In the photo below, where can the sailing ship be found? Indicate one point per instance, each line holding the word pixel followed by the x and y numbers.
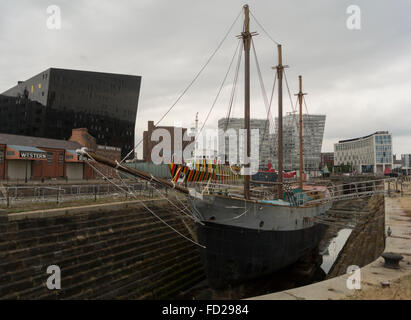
pixel 248 233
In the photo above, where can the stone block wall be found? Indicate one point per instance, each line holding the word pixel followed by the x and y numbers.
pixel 367 240
pixel 112 251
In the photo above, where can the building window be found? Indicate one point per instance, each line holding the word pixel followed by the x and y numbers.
pixel 61 158
pixel 1 156
pixel 49 158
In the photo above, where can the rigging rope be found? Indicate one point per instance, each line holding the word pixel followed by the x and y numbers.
pixel 263 91
pixel 187 213
pixel 190 84
pixel 262 28
pixel 234 88
pixel 264 94
pixel 219 90
pixel 141 202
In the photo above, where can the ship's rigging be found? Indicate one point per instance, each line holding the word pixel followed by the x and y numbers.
pixel 245 44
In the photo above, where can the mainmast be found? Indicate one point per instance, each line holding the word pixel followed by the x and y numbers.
pixel 280 69
pixel 300 101
pixel 246 35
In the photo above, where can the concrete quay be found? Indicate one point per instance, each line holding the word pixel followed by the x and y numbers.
pixel 373 275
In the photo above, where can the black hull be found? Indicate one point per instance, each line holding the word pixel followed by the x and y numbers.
pixel 235 254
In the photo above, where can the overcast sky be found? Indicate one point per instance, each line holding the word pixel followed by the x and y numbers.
pixel 359 78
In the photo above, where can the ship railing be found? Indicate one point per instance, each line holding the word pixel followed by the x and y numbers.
pixel 353 190
pixel 233 190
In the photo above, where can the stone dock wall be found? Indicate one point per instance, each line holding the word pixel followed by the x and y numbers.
pixel 367 240
pixel 109 251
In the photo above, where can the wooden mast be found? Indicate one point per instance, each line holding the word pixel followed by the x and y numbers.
pixel 280 69
pixel 300 101
pixel 246 35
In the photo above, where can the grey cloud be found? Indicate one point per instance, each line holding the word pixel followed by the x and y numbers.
pixel 358 78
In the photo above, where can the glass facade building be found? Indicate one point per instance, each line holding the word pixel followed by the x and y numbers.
pixel 52 103
pixel 369 154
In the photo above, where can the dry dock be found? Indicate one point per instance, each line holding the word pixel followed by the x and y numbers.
pixel 373 275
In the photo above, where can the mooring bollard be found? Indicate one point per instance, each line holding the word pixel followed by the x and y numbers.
pixel 392 260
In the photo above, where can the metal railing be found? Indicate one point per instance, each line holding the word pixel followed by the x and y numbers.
pixel 357 189
pixel 19 195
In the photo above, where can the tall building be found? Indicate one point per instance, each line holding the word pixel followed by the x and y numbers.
pixel 313 132
pixel 55 101
pixel 406 163
pixel 230 129
pixel 369 154
pixel 173 151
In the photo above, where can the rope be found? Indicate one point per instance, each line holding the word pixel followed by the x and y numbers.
pixel 289 93
pixel 142 203
pixel 163 197
pixel 190 84
pixel 263 92
pixel 262 28
pixel 234 88
pixel 219 90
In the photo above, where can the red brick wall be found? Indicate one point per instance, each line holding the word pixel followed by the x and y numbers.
pixel 148 145
pixel 47 168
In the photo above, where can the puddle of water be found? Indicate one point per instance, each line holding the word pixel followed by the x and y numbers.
pixel 334 248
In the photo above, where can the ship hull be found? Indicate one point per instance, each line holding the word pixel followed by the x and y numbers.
pixel 234 254
pixel 246 240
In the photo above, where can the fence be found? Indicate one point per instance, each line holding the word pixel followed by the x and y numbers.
pixel 10 196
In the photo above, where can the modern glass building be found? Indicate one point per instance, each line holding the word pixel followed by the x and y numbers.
pixel 369 154
pixel 55 101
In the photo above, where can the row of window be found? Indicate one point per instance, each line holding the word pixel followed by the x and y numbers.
pixel 385 139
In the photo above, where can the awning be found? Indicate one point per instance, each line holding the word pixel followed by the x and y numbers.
pixel 25 153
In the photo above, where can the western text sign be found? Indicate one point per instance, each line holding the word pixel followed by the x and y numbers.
pixel 32 155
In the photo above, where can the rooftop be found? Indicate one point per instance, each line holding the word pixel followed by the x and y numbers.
pixel 365 137
pixel 12 139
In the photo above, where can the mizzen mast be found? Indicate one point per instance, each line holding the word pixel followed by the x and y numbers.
pixel 300 101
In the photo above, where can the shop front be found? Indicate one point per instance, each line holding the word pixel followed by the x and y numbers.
pixel 20 161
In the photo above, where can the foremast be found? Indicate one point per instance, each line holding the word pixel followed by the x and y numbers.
pixel 280 70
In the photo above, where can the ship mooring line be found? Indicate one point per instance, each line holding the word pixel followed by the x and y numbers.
pixel 234 87
pixel 143 204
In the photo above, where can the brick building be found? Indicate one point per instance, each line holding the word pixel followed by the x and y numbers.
pixel 177 135
pixel 32 158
